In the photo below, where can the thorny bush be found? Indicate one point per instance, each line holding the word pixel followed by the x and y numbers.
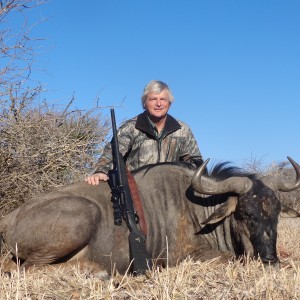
pixel 42 148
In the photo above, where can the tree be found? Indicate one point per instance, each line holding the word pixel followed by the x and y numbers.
pixel 42 146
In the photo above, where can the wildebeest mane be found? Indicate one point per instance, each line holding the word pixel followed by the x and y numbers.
pixel 224 170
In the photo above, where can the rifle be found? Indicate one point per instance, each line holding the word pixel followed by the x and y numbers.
pixel 123 207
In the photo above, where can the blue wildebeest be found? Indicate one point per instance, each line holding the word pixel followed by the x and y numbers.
pixel 186 212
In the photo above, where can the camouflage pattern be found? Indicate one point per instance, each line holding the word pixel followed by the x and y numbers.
pixel 140 144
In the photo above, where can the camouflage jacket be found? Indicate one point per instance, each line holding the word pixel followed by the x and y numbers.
pixel 140 144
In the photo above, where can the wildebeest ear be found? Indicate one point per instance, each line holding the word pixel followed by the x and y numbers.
pixel 288 212
pixel 222 212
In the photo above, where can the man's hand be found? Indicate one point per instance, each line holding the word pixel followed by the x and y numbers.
pixel 96 178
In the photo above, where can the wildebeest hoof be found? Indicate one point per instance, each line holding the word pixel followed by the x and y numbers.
pixel 102 275
pixel 7 274
pixel 269 266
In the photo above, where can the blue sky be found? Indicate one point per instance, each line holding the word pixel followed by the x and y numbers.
pixel 233 66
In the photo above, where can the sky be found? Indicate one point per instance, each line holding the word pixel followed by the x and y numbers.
pixel 233 66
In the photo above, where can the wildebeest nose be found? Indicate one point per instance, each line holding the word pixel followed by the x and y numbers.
pixel 270 260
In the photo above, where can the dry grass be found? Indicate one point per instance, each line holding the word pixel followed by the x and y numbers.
pixel 189 280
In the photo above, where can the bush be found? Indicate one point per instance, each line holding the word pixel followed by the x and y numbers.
pixel 285 172
pixel 281 171
pixel 42 148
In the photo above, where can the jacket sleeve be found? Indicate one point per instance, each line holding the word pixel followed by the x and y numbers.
pixel 125 138
pixel 104 164
pixel 190 147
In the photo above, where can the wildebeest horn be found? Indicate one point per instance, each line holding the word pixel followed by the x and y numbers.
pixel 288 187
pixel 208 186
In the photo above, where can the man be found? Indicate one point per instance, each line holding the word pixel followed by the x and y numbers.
pixel 151 137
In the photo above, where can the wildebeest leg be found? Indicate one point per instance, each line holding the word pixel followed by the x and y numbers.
pixel 8 266
pixel 37 259
pixel 40 261
pixel 83 265
pixel 79 260
pixel 207 254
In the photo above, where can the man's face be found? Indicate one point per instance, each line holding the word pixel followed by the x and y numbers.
pixel 157 105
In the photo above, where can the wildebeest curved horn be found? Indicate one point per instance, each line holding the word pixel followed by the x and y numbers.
pixel 288 187
pixel 208 186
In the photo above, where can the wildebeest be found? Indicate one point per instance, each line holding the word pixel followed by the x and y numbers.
pixel 186 212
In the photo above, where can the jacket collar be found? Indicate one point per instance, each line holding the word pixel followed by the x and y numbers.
pixel 142 123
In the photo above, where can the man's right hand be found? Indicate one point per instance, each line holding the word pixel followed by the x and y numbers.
pixel 96 178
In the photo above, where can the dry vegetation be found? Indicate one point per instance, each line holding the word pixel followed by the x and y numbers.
pixel 189 280
pixel 211 279
pixel 42 148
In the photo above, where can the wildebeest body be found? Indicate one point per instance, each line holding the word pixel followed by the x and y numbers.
pixel 56 226
pixel 77 221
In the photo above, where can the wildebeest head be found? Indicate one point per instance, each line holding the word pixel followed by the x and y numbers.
pixel 253 206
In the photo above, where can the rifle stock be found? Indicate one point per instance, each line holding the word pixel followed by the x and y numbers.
pixel 124 209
